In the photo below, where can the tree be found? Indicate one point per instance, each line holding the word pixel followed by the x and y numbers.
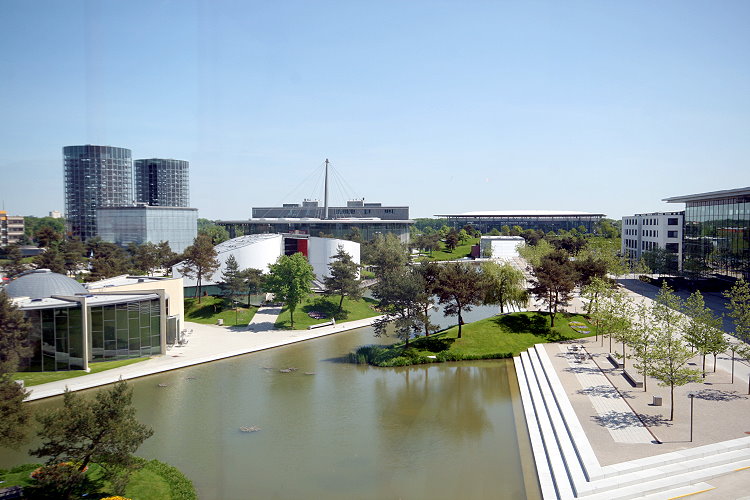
pixel 167 258
pixel 504 285
pixel 73 253
pixel 554 281
pixel 386 253
pixel 14 346
pixel 399 292
pixel 233 283
pixel 253 280
pixel 289 280
pixel 533 253
pixel 589 268
pixel 669 353
pixel 451 240
pixel 702 328
pixel 15 263
pixel 642 336
pixel 200 261
pixel 50 259
pixel 145 257
pixel 217 234
pixel 103 430
pixel 46 236
pixel 344 277
pixel 739 311
pixel 459 287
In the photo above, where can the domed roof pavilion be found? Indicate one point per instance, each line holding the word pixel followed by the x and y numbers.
pixel 43 283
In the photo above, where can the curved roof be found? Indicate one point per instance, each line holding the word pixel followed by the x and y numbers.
pixel 43 283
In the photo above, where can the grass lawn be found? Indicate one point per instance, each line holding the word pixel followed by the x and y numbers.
pixel 496 337
pixel 352 310
pixel 36 378
pixel 459 252
pixel 153 481
pixel 211 309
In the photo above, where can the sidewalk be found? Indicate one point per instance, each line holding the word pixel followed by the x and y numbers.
pixel 207 343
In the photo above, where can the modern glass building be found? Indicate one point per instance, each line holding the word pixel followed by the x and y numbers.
pixel 141 224
pixel 71 326
pixel 540 220
pixel 162 182
pixel 716 233
pixel 95 176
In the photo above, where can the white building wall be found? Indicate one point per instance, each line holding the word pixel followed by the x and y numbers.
pixel 501 247
pixel 320 251
pixel 644 232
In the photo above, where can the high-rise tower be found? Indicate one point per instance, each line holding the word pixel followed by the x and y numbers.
pixel 95 176
pixel 162 182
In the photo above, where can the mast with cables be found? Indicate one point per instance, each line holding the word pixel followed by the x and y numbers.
pixel 325 194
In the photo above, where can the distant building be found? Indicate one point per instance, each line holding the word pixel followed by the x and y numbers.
pixel 141 224
pixel 258 251
pixel 95 177
pixel 355 209
pixel 540 220
pixel 644 232
pixel 338 228
pixel 11 229
pixel 56 214
pixel 162 182
pixel 72 325
pixel 717 233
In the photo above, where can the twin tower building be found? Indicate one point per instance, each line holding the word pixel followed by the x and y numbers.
pixel 109 195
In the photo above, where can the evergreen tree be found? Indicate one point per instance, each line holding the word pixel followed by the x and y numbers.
pixel 344 277
pixel 50 259
pixel 289 279
pixel 554 281
pixel 459 288
pixel 233 284
pixel 167 258
pixel 451 240
pixel 46 236
pixel 386 253
pixel 15 265
pixel 108 260
pixel 200 261
pixel 400 294
pixel 253 280
pixel 73 253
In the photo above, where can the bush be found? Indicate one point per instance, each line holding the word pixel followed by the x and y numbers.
pixel 182 487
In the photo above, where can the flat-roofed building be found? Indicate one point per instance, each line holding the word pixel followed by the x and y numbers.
pixel 142 224
pixel 11 229
pixel 338 228
pixel 645 232
pixel 356 209
pixel 716 233
pixel 540 220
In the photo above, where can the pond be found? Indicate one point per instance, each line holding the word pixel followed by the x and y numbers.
pixel 334 430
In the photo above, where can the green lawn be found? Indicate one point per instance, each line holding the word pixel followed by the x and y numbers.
pixel 352 310
pixel 495 337
pixel 36 378
pixel 211 309
pixel 153 481
pixel 459 252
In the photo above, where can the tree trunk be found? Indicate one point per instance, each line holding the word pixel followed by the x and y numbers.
pixel 198 287
pixel 460 322
pixel 715 362
pixel 704 366
pixel 623 356
pixel 671 410
pixel 341 303
pixel 291 316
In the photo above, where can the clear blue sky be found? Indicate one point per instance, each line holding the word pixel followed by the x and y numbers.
pixel 601 106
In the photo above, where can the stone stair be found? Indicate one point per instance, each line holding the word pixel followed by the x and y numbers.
pixel 567 466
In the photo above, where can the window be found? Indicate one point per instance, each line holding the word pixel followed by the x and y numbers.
pixel 672 221
pixel 671 234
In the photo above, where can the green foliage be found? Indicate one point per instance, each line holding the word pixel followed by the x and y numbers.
pixel 452 240
pixel 37 378
pixel 504 285
pixel 108 259
pixel 404 301
pixel 50 259
pixel 32 226
pixel 343 277
pixel 181 488
pixel 459 287
pixel 59 481
pixel 385 253
pixel 703 328
pixel 145 258
pixel 554 281
pixel 459 252
pixel 200 261
pixel 103 430
pixel 211 309
pixel 217 234
pixel 289 279
pixel 739 311
pixel 352 310
pixel 14 264
pixel 533 253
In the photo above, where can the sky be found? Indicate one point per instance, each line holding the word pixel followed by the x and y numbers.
pixel 444 106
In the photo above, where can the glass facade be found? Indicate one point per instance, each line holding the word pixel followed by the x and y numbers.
pixel 162 182
pixel 57 339
pixel 717 237
pixel 95 176
pixel 553 223
pixel 128 330
pixel 125 225
pixel 336 228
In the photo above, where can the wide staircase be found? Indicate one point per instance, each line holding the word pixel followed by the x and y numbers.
pixel 568 468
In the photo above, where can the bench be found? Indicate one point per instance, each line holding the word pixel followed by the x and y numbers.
pixel 616 362
pixel 327 323
pixel 632 381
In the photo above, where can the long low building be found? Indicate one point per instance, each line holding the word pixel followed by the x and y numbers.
pixel 338 228
pixel 541 220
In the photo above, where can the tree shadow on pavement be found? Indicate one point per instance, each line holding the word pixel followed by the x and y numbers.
pixel 604 391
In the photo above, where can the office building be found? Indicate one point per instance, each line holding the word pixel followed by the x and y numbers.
pixel 162 182
pixel 540 220
pixel 142 224
pixel 355 209
pixel 716 233
pixel 500 247
pixel 11 229
pixel 95 177
pixel 368 229
pixel 645 232
pixel 73 325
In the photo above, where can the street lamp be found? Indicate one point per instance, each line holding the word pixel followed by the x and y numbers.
pixel 691 395
pixel 733 364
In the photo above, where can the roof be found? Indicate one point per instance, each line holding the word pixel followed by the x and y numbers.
pixel 124 279
pixel 306 220
pixel 523 213
pixel 711 195
pixel 243 241
pixel 92 299
pixel 43 283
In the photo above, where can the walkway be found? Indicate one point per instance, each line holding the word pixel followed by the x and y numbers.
pixel 206 343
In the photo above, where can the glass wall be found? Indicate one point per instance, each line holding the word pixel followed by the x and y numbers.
pixel 121 331
pixel 717 237
pixel 56 338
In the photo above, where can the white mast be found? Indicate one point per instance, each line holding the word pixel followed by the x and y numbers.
pixel 325 199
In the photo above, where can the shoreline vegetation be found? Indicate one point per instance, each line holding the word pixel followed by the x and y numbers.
pixel 498 337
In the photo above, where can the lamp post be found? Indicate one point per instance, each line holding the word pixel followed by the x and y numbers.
pixel 691 395
pixel 733 365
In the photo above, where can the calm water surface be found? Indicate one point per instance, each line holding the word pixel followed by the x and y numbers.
pixel 346 431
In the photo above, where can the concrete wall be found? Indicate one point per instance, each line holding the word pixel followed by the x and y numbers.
pixel 500 247
pixel 172 286
pixel 320 251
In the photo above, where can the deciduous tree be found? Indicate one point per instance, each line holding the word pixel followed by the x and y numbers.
pixel 400 292
pixel 739 311
pixel 200 261
pixel 289 279
pixel 504 285
pixel 702 328
pixel 554 281
pixel 459 288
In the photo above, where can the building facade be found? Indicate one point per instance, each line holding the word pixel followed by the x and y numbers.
pixel 540 220
pixel 357 209
pixel 717 233
pixel 142 224
pixel 95 176
pixel 368 229
pixel 162 182
pixel 645 232
pixel 11 229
